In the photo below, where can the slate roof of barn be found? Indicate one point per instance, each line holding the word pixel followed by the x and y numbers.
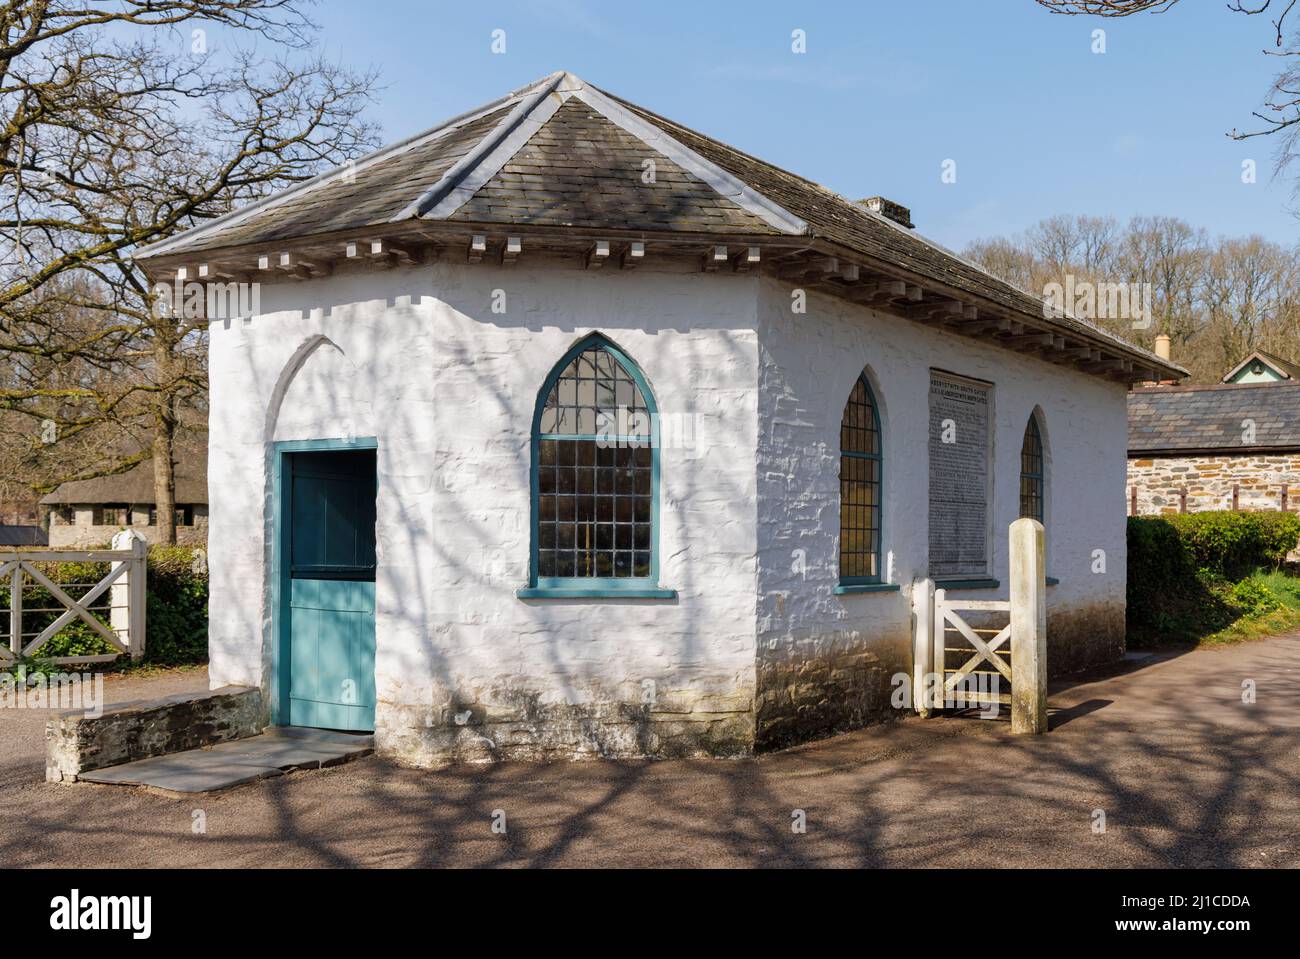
pixel 1181 419
pixel 11 535
pixel 565 154
pixel 136 485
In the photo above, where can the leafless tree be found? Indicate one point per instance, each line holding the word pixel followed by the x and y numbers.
pixel 1250 297
pixel 1169 254
pixel 1009 258
pixel 1079 244
pixel 121 123
pixel 1218 299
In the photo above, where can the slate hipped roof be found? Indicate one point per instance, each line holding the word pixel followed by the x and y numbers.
pixel 563 154
pixel 1182 419
pixel 556 152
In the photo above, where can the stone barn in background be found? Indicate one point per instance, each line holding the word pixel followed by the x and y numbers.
pixel 85 514
pixel 561 429
pixel 1225 447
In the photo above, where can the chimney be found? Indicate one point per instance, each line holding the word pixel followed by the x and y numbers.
pixel 889 210
pixel 1162 346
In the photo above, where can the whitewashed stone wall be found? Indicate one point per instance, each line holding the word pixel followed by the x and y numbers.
pixel 465 669
pixel 824 661
pixel 417 358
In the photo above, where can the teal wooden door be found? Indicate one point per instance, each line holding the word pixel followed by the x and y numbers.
pixel 331 589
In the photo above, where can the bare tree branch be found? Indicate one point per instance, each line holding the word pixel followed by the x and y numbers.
pixel 123 122
pixel 1106 8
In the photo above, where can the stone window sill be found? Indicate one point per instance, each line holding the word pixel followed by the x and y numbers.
pixel 594 592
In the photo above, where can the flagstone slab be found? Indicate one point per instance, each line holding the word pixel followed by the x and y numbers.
pixel 236 763
pixel 319 735
pixel 174 774
pixel 286 753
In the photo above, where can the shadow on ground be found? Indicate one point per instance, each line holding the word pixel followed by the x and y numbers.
pixel 1185 772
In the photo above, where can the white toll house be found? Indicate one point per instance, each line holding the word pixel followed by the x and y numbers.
pixel 561 429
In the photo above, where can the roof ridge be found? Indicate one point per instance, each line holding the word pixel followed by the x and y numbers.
pixel 659 117
pixel 624 114
pixel 349 168
pixel 451 191
pixel 458 185
pixel 1274 386
pixel 821 187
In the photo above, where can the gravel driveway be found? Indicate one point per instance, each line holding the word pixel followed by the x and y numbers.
pixel 1185 772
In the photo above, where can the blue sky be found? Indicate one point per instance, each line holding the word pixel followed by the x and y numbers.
pixel 887 91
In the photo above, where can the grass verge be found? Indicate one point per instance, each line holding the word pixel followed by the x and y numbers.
pixel 1269 604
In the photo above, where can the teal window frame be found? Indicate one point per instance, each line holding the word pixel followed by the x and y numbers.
pixel 594 587
pixel 864 584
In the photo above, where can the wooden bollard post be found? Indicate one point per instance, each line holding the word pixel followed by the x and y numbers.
pixel 923 646
pixel 128 594
pixel 1028 628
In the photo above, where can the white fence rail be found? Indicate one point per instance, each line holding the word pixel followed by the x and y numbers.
pixel 124 584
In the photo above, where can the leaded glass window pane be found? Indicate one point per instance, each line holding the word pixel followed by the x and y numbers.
pixel 595 474
pixel 594 396
pixel 1031 473
pixel 860 483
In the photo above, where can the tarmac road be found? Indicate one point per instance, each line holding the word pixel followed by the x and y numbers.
pixel 1186 773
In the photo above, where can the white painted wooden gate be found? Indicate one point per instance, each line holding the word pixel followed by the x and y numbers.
pixel 125 584
pixel 990 651
pixel 949 652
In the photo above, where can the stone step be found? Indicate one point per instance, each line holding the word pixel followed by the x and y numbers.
pixel 320 735
pixel 226 765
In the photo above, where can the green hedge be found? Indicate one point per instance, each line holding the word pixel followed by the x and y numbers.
pixel 1185 570
pixel 1231 545
pixel 177 609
